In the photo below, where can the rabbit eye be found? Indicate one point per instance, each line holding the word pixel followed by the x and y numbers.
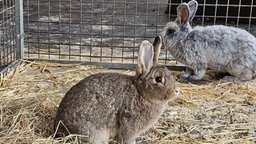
pixel 158 79
pixel 170 31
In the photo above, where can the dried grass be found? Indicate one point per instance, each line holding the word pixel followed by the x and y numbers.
pixel 215 112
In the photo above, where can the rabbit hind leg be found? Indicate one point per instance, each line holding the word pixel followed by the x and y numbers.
pixel 125 137
pixel 125 140
pixel 241 69
pixel 246 75
pixel 99 136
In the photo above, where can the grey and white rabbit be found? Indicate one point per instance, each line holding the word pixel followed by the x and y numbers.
pixel 217 47
pixel 116 106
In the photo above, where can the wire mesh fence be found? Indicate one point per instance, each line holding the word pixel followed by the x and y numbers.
pixel 96 31
pixel 110 31
pixel 10 32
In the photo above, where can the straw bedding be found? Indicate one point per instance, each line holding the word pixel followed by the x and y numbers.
pixel 215 112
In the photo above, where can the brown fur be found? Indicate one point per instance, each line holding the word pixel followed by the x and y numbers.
pixel 118 106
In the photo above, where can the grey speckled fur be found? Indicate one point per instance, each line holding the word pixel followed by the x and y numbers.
pixel 116 106
pixel 218 47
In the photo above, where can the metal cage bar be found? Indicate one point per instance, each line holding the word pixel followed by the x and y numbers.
pixel 20 29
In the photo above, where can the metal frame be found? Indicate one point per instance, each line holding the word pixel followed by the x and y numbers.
pixel 20 29
pixel 11 34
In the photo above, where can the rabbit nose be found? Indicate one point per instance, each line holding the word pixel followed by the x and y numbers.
pixel 177 90
pixel 176 93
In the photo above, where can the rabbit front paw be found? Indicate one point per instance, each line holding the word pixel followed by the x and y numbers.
pixel 229 78
pixel 192 79
pixel 184 75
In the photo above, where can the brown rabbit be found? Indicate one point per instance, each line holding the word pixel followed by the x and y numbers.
pixel 115 106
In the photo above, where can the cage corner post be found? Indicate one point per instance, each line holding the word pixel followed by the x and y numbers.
pixel 19 29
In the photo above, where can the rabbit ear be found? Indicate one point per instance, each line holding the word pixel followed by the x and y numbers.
pixel 192 9
pixel 157 46
pixel 145 59
pixel 182 14
pixel 186 12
